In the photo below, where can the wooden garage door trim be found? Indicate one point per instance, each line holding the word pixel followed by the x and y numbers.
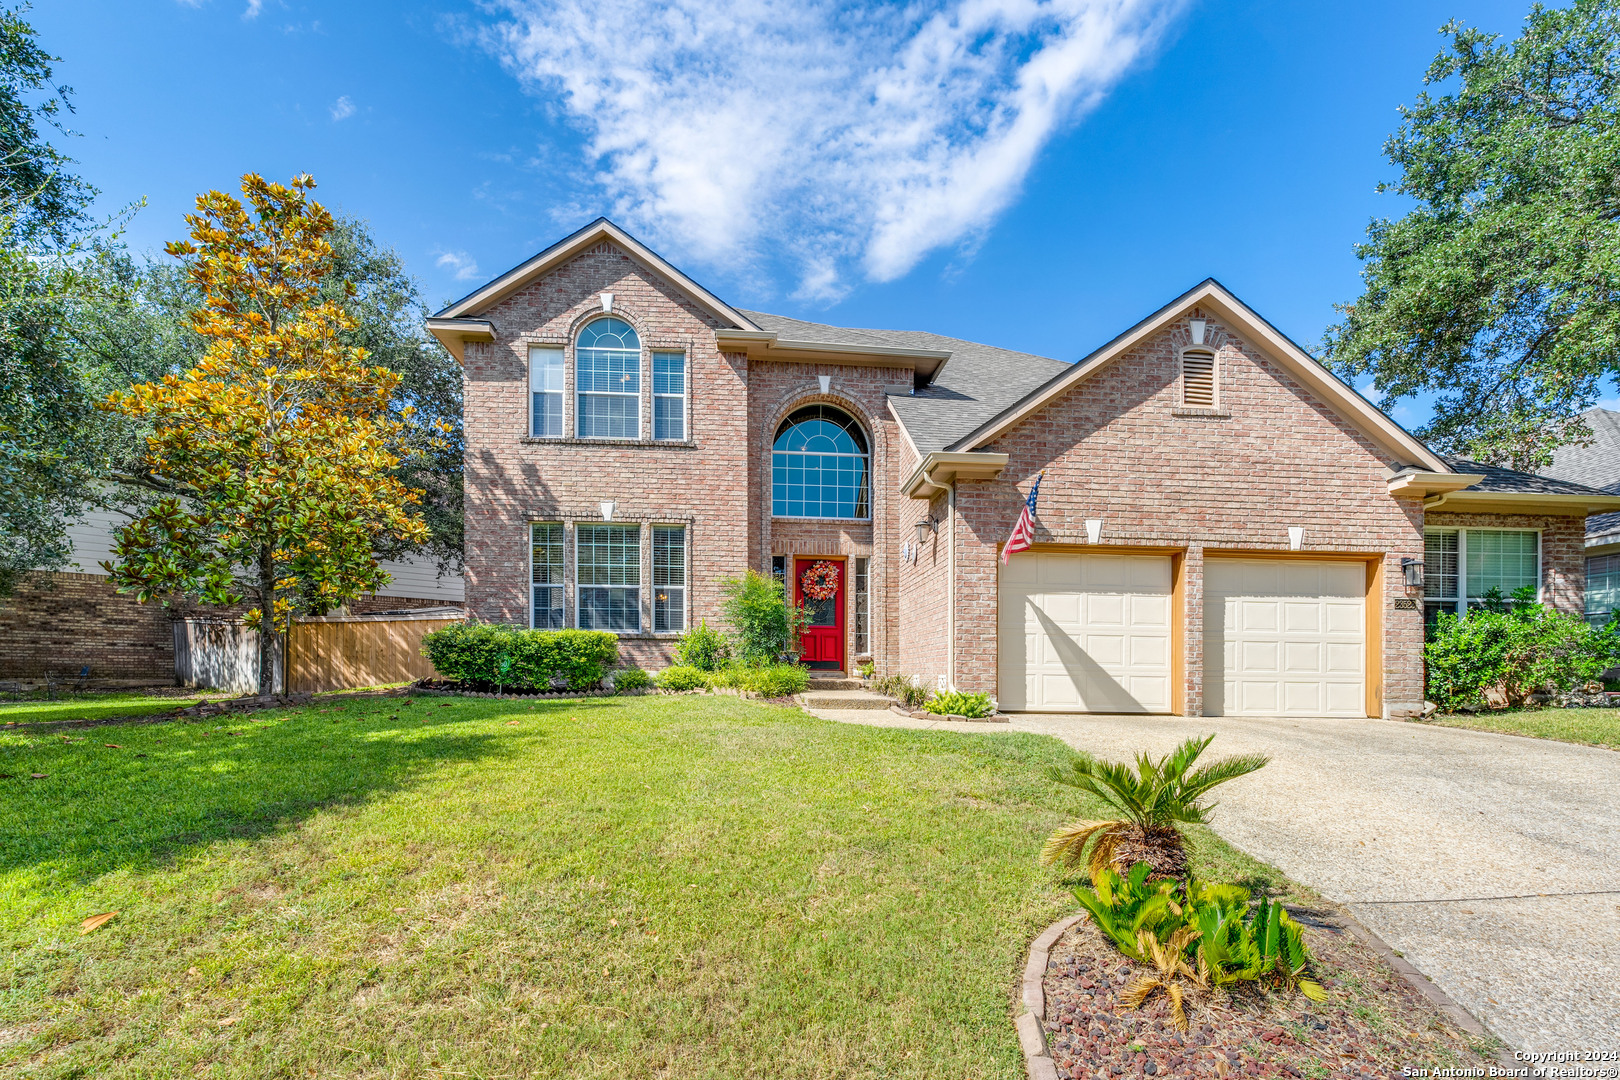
pixel 1178 605
pixel 1372 607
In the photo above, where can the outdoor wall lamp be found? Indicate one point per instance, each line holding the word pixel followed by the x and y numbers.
pixel 924 527
pixel 1412 571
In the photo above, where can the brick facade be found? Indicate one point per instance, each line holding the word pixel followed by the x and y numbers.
pixel 1196 483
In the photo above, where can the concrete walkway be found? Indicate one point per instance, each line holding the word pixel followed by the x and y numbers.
pixel 1492 862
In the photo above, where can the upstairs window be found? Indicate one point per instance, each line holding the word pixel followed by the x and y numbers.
pixel 1198 379
pixel 820 466
pixel 546 390
pixel 607 362
pixel 669 396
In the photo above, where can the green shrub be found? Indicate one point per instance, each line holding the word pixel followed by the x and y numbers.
pixel 491 654
pixel 764 626
pixel 627 679
pixel 867 670
pixel 682 677
pixel 903 689
pixel 778 680
pixel 1224 940
pixel 1506 650
pixel 956 703
pixel 703 648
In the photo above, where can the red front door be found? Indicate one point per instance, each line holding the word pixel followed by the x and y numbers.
pixel 822 645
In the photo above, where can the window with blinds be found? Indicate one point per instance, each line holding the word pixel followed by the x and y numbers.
pixel 1198 379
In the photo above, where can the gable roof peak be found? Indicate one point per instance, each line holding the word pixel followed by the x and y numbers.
pixel 487 295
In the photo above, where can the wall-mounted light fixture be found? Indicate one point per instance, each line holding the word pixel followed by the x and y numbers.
pixel 1412 573
pixel 826 383
pixel 1197 331
pixel 607 510
pixel 1296 537
pixel 925 528
pixel 607 302
pixel 1093 530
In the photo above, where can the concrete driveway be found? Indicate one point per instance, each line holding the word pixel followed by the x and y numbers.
pixel 1491 862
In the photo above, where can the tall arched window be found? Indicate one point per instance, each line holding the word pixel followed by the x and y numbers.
pixel 607 369
pixel 820 466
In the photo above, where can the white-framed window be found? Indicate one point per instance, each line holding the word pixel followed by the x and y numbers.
pixel 607 374
pixel 546 575
pixel 820 466
pixel 1602 588
pixel 1461 565
pixel 669 396
pixel 863 617
pixel 1199 381
pixel 607 565
pixel 669 578
pixel 546 391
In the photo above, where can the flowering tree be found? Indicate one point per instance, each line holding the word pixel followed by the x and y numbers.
pixel 273 457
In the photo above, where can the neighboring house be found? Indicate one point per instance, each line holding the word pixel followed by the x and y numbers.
pixel 1223 527
pixel 1597 465
pixel 60 623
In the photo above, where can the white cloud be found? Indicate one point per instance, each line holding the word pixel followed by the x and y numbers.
pixel 253 9
pixel 342 108
pixel 850 138
pixel 466 269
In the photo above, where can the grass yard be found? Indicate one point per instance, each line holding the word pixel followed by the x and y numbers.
pixel 652 886
pixel 93 705
pixel 1594 727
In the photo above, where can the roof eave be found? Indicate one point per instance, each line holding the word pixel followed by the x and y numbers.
pixel 1431 483
pixel 766 345
pixel 492 292
pixel 454 334
pixel 1522 502
pixel 939 469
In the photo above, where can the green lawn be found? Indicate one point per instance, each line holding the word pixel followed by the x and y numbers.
pixel 92 705
pixel 1595 727
pixel 653 886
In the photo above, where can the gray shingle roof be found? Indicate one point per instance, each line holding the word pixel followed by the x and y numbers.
pixel 1500 479
pixel 976 383
pixel 1596 465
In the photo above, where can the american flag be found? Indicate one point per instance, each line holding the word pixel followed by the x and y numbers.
pixel 1023 533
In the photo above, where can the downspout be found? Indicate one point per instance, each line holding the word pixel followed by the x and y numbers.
pixel 950 586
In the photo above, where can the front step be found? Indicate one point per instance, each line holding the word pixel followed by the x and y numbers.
pixel 835 680
pixel 843 699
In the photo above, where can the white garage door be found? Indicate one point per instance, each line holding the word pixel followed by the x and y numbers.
pixel 1284 637
pixel 1084 633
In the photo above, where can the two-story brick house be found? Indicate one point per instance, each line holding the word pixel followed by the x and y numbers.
pixel 1223 527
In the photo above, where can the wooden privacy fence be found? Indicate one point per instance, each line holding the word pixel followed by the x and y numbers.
pixel 332 652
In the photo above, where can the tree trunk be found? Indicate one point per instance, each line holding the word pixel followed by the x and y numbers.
pixel 1162 849
pixel 272 677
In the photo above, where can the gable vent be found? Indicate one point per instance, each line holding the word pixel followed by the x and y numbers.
pixel 1198 379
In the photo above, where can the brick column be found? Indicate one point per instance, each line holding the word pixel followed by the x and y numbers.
pixel 1192 573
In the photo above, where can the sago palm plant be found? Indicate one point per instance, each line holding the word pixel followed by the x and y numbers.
pixel 1153 800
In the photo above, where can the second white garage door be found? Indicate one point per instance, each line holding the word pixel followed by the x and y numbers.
pixel 1284 637
pixel 1084 633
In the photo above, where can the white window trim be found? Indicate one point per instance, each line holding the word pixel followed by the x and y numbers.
pixel 533 611
pixel 1460 603
pixel 562 353
pixel 643 552
pixel 643 387
pixel 684 395
pixel 686 576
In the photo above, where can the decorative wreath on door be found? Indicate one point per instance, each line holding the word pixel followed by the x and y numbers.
pixel 820 582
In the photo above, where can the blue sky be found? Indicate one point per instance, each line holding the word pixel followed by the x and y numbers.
pixel 1037 174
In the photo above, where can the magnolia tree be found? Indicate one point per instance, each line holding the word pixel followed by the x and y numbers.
pixel 275 457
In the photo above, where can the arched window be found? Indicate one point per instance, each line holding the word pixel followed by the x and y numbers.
pixel 820 466
pixel 607 371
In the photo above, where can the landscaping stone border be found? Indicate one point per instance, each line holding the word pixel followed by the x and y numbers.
pixel 924 714
pixel 1031 1019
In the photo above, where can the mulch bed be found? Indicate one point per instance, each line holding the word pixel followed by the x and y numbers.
pixel 1373 1023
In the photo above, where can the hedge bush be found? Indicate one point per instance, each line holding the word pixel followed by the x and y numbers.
pixel 682 677
pixel 1500 654
pixel 633 678
pixel 703 648
pixel 956 703
pixel 778 680
pixel 489 654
